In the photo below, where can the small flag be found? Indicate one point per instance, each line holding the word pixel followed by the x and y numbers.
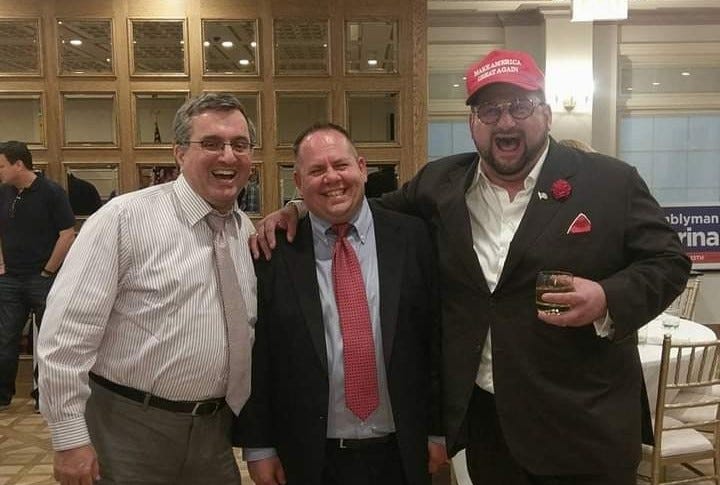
pixel 157 138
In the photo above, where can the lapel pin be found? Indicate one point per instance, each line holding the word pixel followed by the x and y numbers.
pixel 542 196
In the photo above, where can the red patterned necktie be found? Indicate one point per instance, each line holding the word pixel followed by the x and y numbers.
pixel 361 387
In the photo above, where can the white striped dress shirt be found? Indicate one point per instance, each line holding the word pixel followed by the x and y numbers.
pixel 137 301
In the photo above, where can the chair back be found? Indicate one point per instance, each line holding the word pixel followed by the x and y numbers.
pixel 684 305
pixel 694 367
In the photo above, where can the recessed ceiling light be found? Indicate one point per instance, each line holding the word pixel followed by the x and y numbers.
pixel 75 42
pixel 206 43
pixel 456 85
pixel 253 44
pixel 324 45
pixel 226 43
pixel 107 59
pixel 464 78
pixel 244 62
pixel 656 83
pixel 685 73
pixel 182 42
pixel 372 62
pixel 629 88
pixel 59 22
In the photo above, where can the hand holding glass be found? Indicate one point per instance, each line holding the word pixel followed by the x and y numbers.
pixel 552 282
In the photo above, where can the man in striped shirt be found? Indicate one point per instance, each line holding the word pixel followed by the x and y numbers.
pixel 134 349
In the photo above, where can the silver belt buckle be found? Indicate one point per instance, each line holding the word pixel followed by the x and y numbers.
pixel 198 405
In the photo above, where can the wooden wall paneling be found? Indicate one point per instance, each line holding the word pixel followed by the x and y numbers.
pixel 410 82
pixel 52 114
pixel 417 99
pixel 128 174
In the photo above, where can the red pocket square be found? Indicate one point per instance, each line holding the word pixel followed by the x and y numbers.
pixel 580 225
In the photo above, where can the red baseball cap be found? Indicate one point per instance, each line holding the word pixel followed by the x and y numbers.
pixel 504 66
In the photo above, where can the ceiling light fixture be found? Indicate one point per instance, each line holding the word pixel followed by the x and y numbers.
pixel 75 42
pixel 590 10
pixel 656 83
pixel 456 85
pixel 244 62
pixel 226 44
pixel 253 44
pixel 206 43
pixel 372 62
pixel 684 73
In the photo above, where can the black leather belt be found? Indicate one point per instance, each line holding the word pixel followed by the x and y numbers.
pixel 359 444
pixel 194 408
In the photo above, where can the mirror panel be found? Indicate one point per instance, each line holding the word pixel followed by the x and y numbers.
pixel 230 47
pixel 251 103
pixel 298 110
pixel 286 183
pixel 156 173
pixel 301 47
pixel 250 198
pixel 382 178
pixel 22 118
pixel 372 117
pixel 158 47
pixel 371 47
pixel 90 185
pixel 89 120
pixel 20 47
pixel 153 117
pixel 85 47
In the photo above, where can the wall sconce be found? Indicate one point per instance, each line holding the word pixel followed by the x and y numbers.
pixel 569 103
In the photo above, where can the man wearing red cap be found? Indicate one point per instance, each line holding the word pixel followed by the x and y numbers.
pixel 535 397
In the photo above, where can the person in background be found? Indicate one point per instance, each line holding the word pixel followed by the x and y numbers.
pixel 139 372
pixel 345 367
pixel 36 232
pixel 578 145
pixel 538 397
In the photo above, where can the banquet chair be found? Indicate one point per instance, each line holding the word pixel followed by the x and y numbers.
pixel 683 367
pixel 684 305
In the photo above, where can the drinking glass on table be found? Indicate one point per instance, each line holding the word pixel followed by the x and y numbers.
pixel 670 323
pixel 552 282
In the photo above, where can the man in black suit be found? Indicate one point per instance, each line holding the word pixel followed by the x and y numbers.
pixel 343 391
pixel 539 398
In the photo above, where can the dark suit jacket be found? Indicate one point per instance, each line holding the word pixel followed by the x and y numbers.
pixel 569 402
pixel 289 402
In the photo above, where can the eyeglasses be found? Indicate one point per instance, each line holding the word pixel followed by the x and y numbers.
pixel 12 206
pixel 519 109
pixel 212 145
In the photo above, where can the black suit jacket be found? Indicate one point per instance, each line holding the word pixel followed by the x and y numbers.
pixel 569 402
pixel 289 403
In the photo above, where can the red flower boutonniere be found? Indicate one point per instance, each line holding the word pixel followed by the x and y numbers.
pixel 561 189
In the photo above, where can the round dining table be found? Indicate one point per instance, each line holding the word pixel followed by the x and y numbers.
pixel 650 339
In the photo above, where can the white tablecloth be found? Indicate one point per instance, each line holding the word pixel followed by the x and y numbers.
pixel 650 346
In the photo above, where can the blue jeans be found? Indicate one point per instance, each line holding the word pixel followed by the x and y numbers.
pixel 18 295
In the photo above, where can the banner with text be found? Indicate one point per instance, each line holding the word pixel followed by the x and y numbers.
pixel 699 229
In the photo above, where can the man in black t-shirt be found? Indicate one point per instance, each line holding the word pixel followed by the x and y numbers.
pixel 36 231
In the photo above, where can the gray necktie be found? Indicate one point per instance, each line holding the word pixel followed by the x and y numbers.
pixel 236 316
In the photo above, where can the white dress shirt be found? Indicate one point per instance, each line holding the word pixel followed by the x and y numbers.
pixel 137 301
pixel 494 218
